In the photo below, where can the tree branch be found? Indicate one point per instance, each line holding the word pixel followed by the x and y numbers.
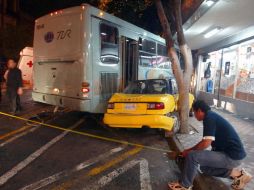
pixel 165 24
pixel 178 22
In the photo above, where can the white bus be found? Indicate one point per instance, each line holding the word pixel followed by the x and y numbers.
pixel 83 55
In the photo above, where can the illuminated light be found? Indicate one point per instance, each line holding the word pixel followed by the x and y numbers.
pixel 56 90
pixel 212 32
pixel 101 13
pixel 209 3
pixel 140 44
pixel 85 90
pixel 155 106
pixel 83 7
pixel 56 13
pixel 51 14
pixel 104 34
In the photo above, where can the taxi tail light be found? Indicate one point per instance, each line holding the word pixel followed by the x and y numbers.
pixel 155 106
pixel 111 105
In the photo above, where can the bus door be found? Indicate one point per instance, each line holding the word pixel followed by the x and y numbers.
pixel 129 60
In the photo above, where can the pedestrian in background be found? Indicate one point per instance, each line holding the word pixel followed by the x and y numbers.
pixel 13 79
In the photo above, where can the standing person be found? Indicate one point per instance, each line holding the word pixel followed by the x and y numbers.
pixel 227 151
pixel 13 79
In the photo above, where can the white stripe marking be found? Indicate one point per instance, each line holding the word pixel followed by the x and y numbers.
pixel 18 136
pixel 145 182
pixel 8 175
pixel 51 179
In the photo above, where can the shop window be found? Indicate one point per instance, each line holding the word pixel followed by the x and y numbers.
pixel 228 74
pixel 109 44
pixel 245 79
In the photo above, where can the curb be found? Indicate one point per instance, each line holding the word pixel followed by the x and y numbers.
pixel 201 182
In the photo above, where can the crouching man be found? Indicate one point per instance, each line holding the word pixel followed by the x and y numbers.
pixel 222 161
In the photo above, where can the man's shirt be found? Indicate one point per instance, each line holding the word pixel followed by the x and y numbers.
pixel 14 78
pixel 225 139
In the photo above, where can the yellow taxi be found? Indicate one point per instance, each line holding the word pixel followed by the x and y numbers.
pixel 145 103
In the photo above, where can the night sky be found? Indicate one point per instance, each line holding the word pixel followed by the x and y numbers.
pixel 37 8
pixel 148 20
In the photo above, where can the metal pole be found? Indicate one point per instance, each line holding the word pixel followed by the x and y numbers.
pixel 218 93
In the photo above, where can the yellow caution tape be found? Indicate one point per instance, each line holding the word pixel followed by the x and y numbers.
pixel 86 134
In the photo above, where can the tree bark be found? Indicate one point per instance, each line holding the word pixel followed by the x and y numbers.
pixel 183 78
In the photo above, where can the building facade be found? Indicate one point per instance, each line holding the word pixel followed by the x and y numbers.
pixel 9 12
pixel 225 74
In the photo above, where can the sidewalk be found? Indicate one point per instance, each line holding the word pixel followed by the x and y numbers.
pixel 245 129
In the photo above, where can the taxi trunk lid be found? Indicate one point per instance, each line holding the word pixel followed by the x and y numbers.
pixel 134 103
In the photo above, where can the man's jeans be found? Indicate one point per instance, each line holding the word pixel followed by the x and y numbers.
pixel 208 162
pixel 14 100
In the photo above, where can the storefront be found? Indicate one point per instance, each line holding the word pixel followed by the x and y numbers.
pixel 227 75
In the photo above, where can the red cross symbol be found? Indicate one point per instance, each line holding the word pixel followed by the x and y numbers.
pixel 30 64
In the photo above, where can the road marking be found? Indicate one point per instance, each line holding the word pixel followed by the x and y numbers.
pixel 90 135
pixel 145 182
pixel 4 136
pixel 53 178
pixel 8 175
pixel 18 136
pixel 100 169
pixel 97 170
pixel 22 134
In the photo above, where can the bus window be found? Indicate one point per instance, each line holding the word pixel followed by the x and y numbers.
pixel 174 86
pixel 162 50
pixel 109 44
pixel 162 57
pixel 148 46
pixel 147 53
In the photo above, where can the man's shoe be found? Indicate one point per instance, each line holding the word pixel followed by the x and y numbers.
pixel 242 180
pixel 177 186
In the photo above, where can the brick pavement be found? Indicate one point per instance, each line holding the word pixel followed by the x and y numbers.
pixel 245 129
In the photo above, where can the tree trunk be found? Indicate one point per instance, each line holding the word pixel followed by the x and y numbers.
pixel 183 78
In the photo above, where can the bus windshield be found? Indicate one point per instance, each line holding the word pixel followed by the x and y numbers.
pixel 157 86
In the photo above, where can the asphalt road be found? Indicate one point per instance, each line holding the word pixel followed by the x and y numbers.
pixel 45 157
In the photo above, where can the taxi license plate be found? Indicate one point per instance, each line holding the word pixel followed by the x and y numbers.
pixel 130 107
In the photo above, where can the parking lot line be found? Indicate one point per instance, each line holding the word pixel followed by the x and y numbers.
pixel 145 182
pixel 8 175
pixel 53 178
pixel 18 136
pixel 4 136
pixel 90 135
pixel 97 170
pixel 100 169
